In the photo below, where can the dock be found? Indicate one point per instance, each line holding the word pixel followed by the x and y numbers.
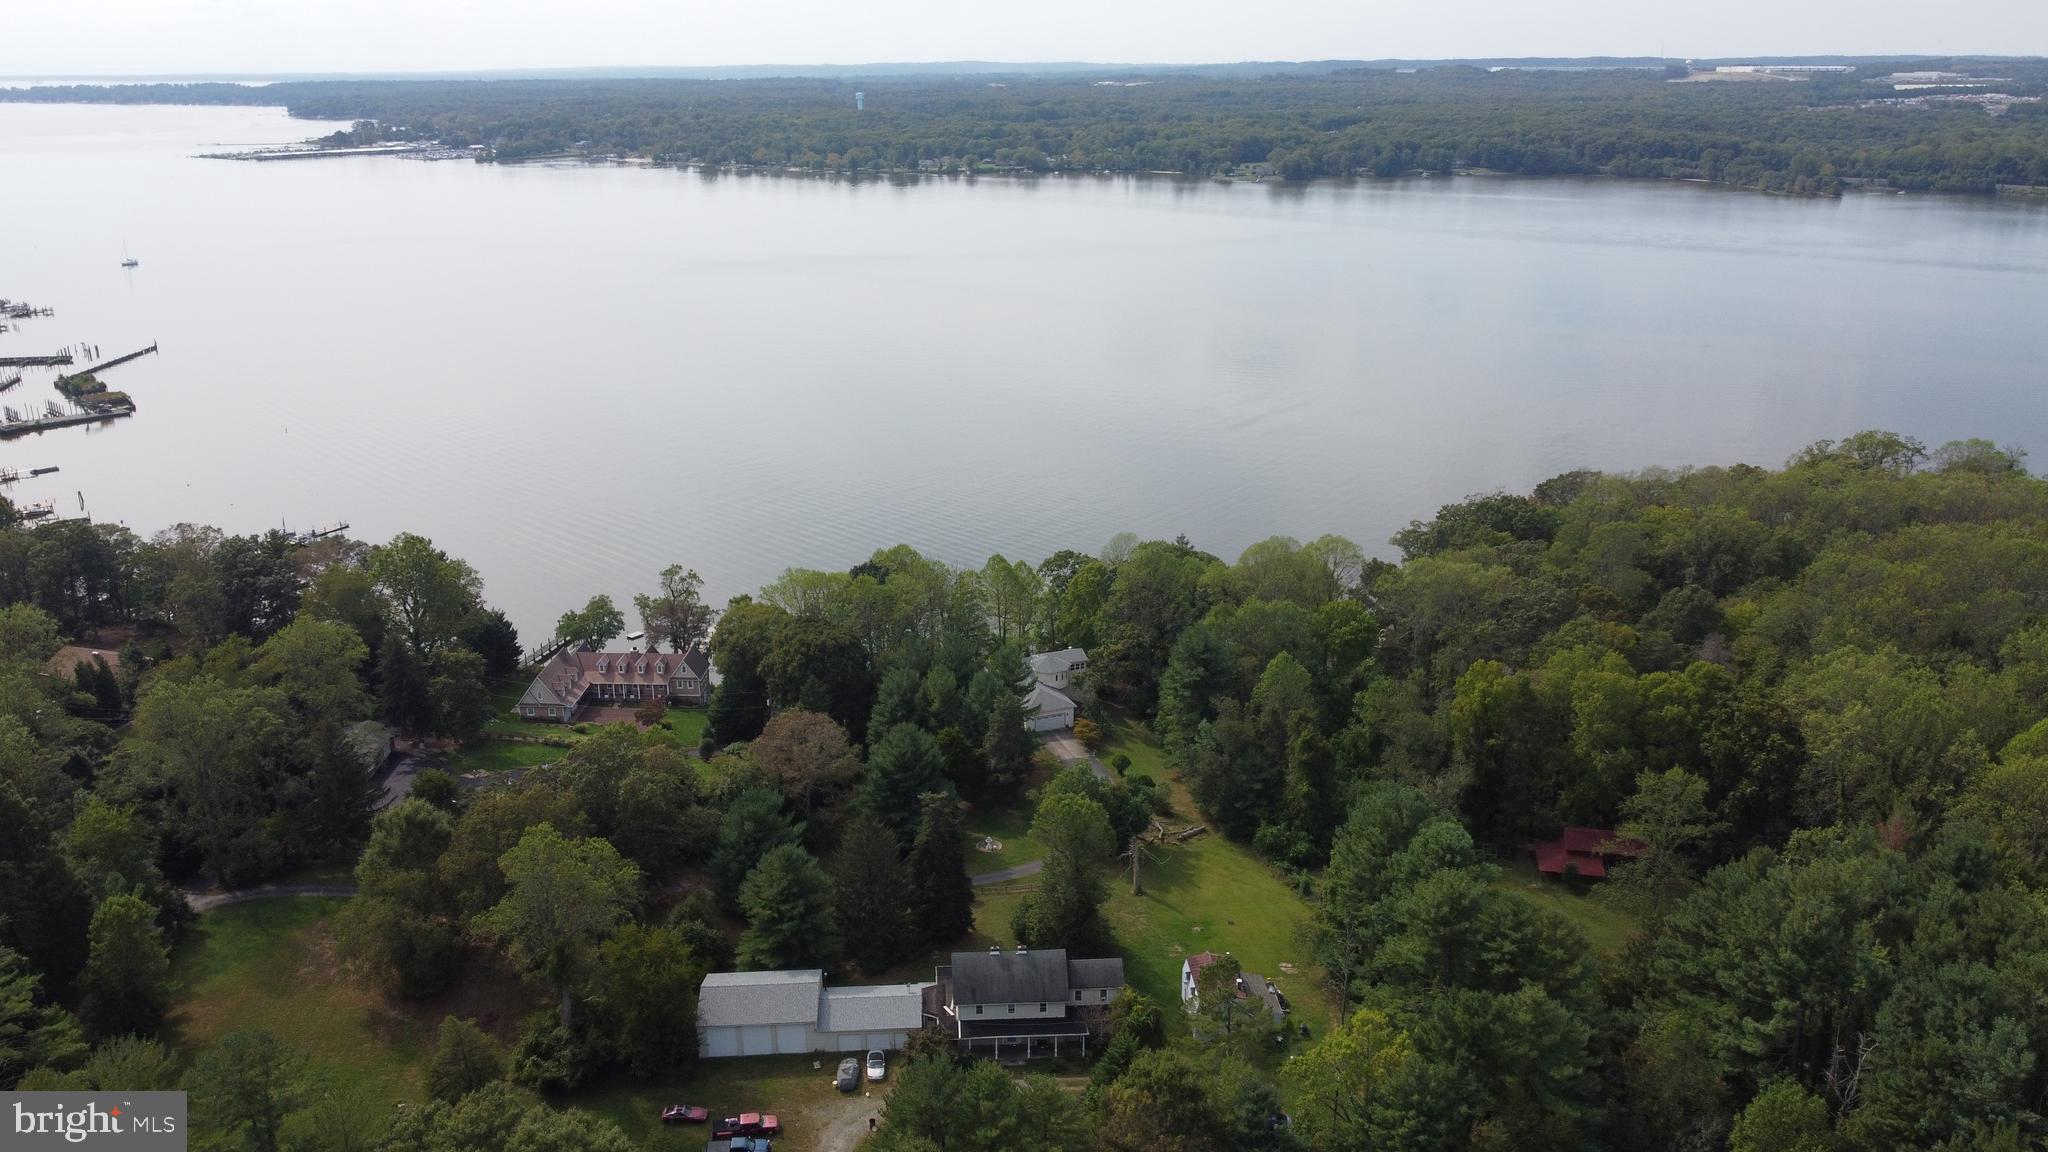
pixel 9 431
pixel 7 382
pixel 60 360
pixel 103 365
pixel 307 537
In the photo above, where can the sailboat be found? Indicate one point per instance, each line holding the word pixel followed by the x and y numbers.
pixel 128 261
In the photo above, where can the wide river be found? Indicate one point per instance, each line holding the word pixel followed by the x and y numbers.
pixel 572 377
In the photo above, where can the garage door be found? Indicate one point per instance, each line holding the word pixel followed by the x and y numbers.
pixel 790 1038
pixel 721 1041
pixel 886 1041
pixel 850 1042
pixel 757 1040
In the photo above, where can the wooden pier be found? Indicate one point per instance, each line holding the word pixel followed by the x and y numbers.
pixel 44 423
pixel 58 361
pixel 7 382
pixel 103 365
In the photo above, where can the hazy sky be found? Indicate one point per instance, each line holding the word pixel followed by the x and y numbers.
pixel 73 37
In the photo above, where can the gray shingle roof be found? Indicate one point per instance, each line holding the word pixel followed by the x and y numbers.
pixel 1051 663
pixel 1107 973
pixel 741 998
pixel 1042 699
pixel 1010 977
pixel 872 1008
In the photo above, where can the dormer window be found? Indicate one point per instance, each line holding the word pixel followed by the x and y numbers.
pixel 600 667
pixel 643 667
pixel 661 667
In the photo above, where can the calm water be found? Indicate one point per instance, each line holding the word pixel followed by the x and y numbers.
pixel 573 377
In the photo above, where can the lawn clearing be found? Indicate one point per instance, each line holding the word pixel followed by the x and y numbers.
pixel 489 755
pixel 1606 927
pixel 1207 895
pixel 798 1089
pixel 1008 825
pixel 270 964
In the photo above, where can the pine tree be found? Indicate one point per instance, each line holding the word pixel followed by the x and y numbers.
pixel 127 979
pixel 1008 746
pixel 869 880
pixel 902 766
pixel 788 903
pixel 944 896
pixel 465 1059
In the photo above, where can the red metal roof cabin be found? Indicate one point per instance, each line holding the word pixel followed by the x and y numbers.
pixel 1588 851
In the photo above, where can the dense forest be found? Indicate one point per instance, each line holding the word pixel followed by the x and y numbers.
pixel 1812 136
pixel 1816 697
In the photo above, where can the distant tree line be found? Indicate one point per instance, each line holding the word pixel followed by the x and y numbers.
pixel 1806 137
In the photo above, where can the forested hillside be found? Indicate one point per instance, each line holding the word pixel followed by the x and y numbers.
pixel 1807 136
pixel 1815 697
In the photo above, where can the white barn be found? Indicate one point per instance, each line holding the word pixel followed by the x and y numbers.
pixel 775 1013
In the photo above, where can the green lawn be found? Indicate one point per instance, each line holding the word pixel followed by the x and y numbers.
pixel 1606 927
pixel 1009 825
pixel 488 755
pixel 798 1089
pixel 270 964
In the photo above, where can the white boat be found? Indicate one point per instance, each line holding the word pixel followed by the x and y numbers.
pixel 128 261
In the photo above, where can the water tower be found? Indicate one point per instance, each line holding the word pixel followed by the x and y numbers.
pixel 860 101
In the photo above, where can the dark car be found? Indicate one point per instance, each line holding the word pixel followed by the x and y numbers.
pixel 750 1144
pixel 848 1077
pixel 684 1114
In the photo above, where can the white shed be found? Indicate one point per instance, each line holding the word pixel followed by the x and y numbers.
pixel 758 1013
pixel 1046 709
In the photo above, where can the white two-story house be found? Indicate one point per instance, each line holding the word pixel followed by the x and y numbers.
pixel 1023 1003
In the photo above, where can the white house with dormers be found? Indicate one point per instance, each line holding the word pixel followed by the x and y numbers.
pixel 1057 669
pixel 582 677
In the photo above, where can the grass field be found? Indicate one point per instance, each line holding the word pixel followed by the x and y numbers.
pixel 1606 927
pixel 1009 825
pixel 270 964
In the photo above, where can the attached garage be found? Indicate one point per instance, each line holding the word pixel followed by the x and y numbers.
pixel 872 1016
pixel 1047 710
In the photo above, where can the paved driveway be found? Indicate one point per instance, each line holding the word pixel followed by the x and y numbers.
pixel 1069 749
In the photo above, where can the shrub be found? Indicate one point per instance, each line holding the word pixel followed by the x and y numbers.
pixel 1088 733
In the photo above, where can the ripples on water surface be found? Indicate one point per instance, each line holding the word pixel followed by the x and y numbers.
pixel 572 377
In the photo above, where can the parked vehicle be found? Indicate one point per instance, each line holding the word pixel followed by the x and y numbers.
pixel 748 1124
pixel 684 1114
pixel 848 1077
pixel 878 1064
pixel 749 1144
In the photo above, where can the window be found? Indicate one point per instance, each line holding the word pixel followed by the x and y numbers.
pixel 661 667
pixel 1103 993
pixel 1012 1008
pixel 977 1009
pixel 643 668
pixel 1077 993
pixel 600 666
pixel 1041 1007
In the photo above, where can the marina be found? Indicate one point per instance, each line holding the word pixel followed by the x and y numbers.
pixel 61 359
